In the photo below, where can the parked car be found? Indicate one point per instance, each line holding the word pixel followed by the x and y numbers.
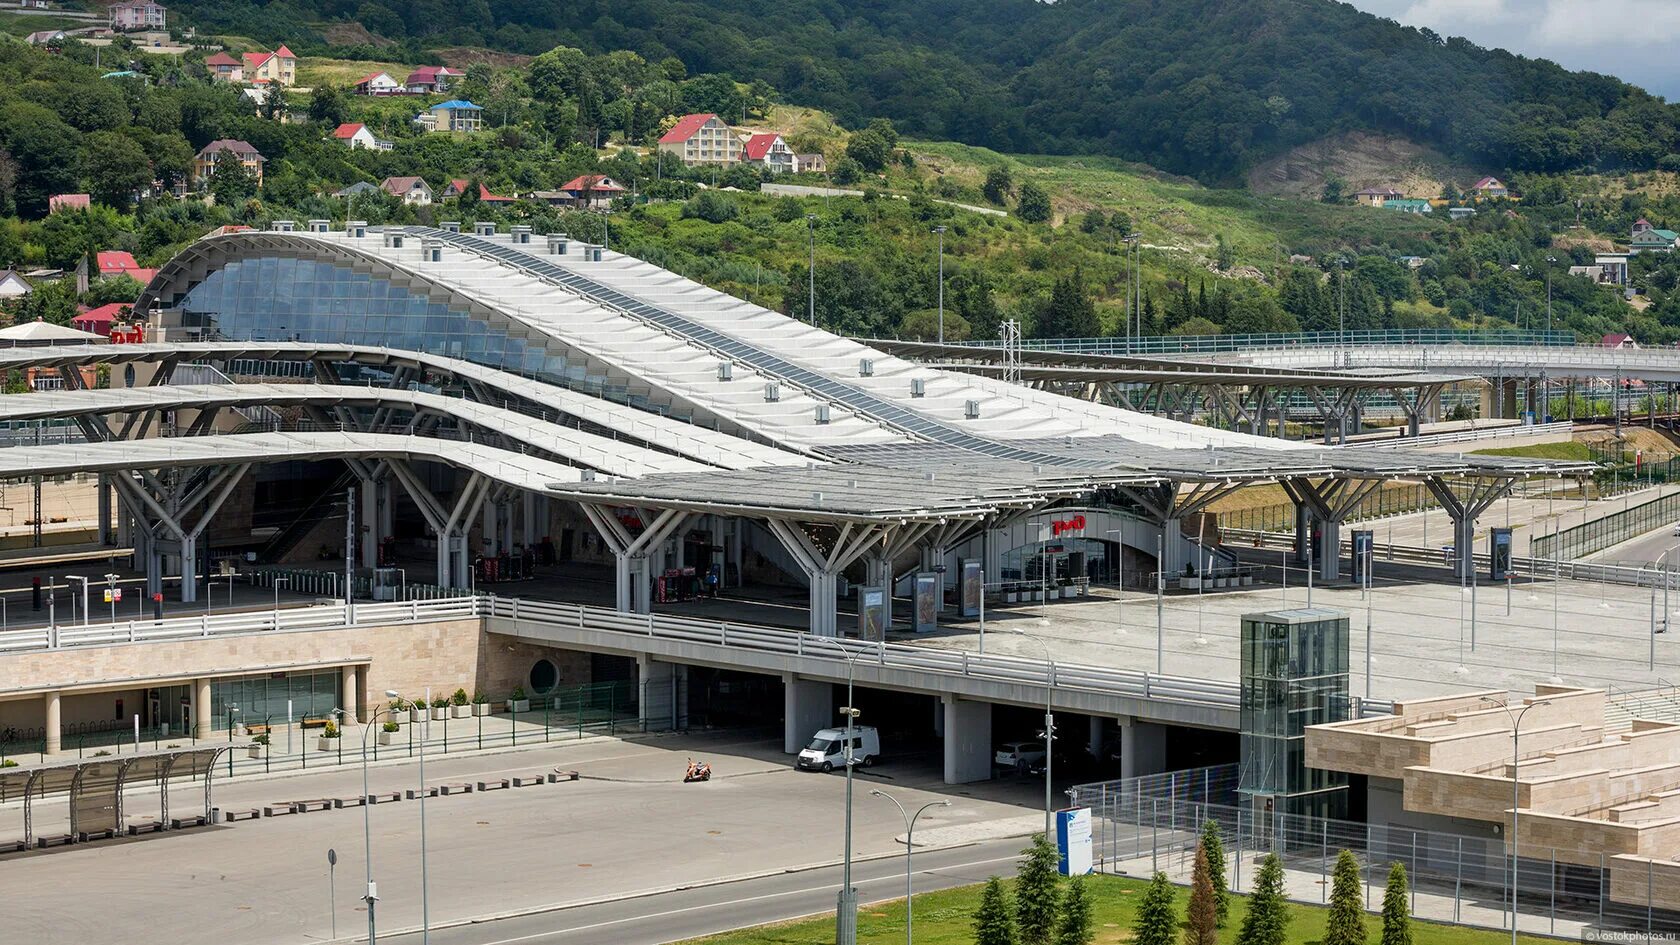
pixel 827 750
pixel 1019 755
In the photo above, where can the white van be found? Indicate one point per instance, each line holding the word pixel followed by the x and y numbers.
pixel 827 750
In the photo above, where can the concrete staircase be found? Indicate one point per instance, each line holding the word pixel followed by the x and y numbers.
pixel 1661 704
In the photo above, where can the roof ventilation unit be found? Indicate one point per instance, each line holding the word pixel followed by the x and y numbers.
pixel 866 368
pixel 281 226
pixel 918 387
pixel 971 409
pixel 319 226
pixel 431 251
pixel 587 475
pixel 822 414
pixel 356 228
pixel 484 228
pixel 591 253
pixel 393 240
pixel 558 244
pixel 772 393
pixel 521 234
pixel 450 226
pixel 726 371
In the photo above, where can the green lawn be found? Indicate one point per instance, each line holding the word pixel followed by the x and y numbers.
pixel 946 918
pixel 1565 450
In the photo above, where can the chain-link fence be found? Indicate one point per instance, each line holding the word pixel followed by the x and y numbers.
pixel 1146 825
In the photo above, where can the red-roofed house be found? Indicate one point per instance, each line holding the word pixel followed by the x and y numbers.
pixel 701 140
pixel 99 320
pixel 225 68
pixel 591 191
pixel 427 80
pixel 378 83
pixel 1618 340
pixel 768 148
pixel 1642 225
pixel 354 134
pixel 1491 187
pixel 116 262
pixel 412 190
pixel 458 186
pixel 204 163
pixel 59 202
pixel 278 67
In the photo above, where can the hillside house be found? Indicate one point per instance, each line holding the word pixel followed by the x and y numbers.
pixel 1653 241
pixel 225 68
pixel 138 15
pixel 116 262
pixel 701 140
pixel 378 83
pixel 457 187
pixel 1461 213
pixel 224 149
pixel 1641 225
pixel 1613 267
pixel 13 285
pixel 768 149
pixel 813 163
pixel 278 67
pixel 1491 187
pixel 99 321
pixel 412 190
pixel 1618 340
pixel 359 187
pixel 590 192
pixel 1415 205
pixel 432 80
pixel 1376 196
pixel 355 135
pixel 58 202
pixel 45 37
pixel 455 115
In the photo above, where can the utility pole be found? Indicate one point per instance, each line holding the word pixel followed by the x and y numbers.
pixel 941 231
pixel 811 222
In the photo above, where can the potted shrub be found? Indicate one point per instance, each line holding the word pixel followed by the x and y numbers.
pixel 387 732
pixel 480 704
pixel 417 711
pixel 329 737
pixel 258 746
pixel 517 701
pixel 458 707
pixel 440 708
pixel 397 710
pixel 1011 594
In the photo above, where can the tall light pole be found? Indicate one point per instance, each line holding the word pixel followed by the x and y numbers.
pixel 845 906
pixel 1049 726
pixel 83 578
pixel 425 909
pixel 941 231
pixel 372 894
pixel 1516 761
pixel 909 846
pixel 811 270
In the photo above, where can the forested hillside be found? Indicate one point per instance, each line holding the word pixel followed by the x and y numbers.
pixel 1200 87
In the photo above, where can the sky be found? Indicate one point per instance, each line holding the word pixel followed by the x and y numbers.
pixel 1630 39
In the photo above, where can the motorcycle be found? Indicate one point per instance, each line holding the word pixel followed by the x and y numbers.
pixel 697 771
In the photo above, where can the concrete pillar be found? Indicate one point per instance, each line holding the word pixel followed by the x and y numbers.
pixel 104 508
pixel 1303 528
pixel 968 740
pixel 528 519
pixel 189 569
pixel 735 529
pixel 352 698
pixel 488 531
pixel 504 527
pixel 641 585
pixel 1143 748
pixel 878 573
pixel 367 523
pixel 445 560
pixel 54 725
pixel 1464 546
pixel 824 599
pixel 387 512
pixel 462 572
pixel 661 698
pixel 1329 549
pixel 1095 740
pixel 807 708
pixel 201 708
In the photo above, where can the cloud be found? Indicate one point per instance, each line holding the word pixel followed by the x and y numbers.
pixel 1431 12
pixel 1606 24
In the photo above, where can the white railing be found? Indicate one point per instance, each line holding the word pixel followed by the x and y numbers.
pixel 1503 432
pixel 290 619
pixel 891 656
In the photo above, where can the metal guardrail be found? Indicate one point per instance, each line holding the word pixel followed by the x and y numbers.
pixel 1507 431
pixel 898 656
pixel 1190 344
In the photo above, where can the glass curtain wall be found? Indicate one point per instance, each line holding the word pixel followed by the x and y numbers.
pixel 265 698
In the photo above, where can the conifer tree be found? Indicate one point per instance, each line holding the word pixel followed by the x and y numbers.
pixel 1201 925
pixel 994 921
pixel 1075 927
pixel 1396 912
pixel 1156 919
pixel 1037 892
pixel 1346 925
pixel 1214 843
pixel 1267 920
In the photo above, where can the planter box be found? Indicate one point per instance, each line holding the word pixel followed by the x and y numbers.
pixel 519 705
pixel 417 714
pixel 385 738
pixel 1011 597
pixel 481 708
pixel 1247 579
pixel 439 713
pixel 254 751
pixel 396 715
pixel 1190 583
pixel 323 743
pixel 460 711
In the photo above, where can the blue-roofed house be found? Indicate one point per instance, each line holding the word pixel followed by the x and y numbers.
pixel 456 115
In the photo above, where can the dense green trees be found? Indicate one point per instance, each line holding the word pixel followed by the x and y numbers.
pixel 994 922
pixel 1267 919
pixel 1156 919
pixel 1346 923
pixel 1038 894
pixel 1396 909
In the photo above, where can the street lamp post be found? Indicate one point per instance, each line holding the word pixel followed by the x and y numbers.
pixel 811 270
pixel 372 894
pixel 1049 726
pixel 1516 761
pixel 425 909
pixel 909 846
pixel 845 906
pixel 941 231
pixel 84 579
pixel 1120 573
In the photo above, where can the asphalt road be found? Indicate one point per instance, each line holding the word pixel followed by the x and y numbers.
pixel 1646 549
pixel 687 913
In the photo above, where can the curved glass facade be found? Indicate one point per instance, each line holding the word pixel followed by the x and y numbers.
pixel 287 299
